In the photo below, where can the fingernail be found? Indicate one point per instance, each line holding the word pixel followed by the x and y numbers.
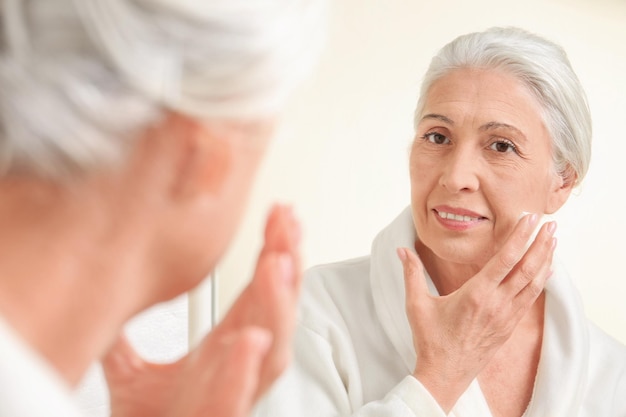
pixel 401 254
pixel 532 219
pixel 551 228
pixel 285 265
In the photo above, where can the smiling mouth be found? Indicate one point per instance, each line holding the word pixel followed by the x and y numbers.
pixel 457 217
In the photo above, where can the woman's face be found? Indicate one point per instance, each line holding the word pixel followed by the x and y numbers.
pixel 481 157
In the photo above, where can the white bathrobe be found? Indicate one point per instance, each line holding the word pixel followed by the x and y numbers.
pixel 354 353
pixel 29 386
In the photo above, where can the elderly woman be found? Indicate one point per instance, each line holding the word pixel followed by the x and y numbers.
pixel 475 318
pixel 130 133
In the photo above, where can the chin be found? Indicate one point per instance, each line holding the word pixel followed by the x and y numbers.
pixel 462 253
pixel 185 278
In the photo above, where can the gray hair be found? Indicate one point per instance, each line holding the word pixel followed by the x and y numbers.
pixel 544 68
pixel 79 78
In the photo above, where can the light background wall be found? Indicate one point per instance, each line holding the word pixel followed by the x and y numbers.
pixel 341 158
pixel 341 155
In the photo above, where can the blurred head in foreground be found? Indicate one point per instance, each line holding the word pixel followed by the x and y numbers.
pixel 130 133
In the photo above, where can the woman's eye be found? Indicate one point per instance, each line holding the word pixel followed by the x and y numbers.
pixel 503 147
pixel 436 138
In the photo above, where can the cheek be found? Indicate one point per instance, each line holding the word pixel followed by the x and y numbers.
pixel 528 192
pixel 238 190
pixel 423 182
pixel 510 197
pixel 422 171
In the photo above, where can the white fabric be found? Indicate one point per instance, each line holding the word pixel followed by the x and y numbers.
pixel 354 352
pixel 29 387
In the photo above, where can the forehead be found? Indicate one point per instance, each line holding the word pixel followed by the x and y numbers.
pixel 482 96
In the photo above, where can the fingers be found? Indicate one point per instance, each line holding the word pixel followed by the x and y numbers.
pixel 121 361
pixel 276 283
pixel 136 387
pixel 530 273
pixel 275 275
pixel 229 368
pixel 282 230
pixel 221 376
pixel 503 262
pixel 283 235
pixel 534 277
pixel 238 360
pixel 270 301
pixel 274 293
pixel 238 377
pixel 278 277
pixel 414 280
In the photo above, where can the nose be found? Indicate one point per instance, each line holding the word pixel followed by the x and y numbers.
pixel 459 171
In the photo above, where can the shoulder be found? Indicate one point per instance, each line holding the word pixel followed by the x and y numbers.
pixel 607 358
pixel 332 278
pixel 607 369
pixel 606 346
pixel 333 293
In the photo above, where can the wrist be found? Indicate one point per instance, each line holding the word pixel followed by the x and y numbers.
pixel 445 386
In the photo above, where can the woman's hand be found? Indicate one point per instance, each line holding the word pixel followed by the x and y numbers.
pixel 455 336
pixel 218 378
pixel 235 363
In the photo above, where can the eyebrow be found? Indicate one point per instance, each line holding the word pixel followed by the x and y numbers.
pixel 498 125
pixel 485 127
pixel 438 117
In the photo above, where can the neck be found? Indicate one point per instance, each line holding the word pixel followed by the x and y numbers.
pixel 57 284
pixel 447 276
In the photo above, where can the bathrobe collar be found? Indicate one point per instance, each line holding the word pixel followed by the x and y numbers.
pixel 562 372
pixel 30 387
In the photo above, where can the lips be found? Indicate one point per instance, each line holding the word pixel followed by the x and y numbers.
pixel 457 217
pixel 457 214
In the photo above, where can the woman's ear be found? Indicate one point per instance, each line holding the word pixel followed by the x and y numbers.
pixel 562 187
pixel 206 156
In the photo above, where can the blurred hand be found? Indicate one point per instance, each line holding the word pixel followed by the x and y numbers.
pixel 235 363
pixel 455 336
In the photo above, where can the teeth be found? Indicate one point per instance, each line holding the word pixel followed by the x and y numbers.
pixel 457 217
